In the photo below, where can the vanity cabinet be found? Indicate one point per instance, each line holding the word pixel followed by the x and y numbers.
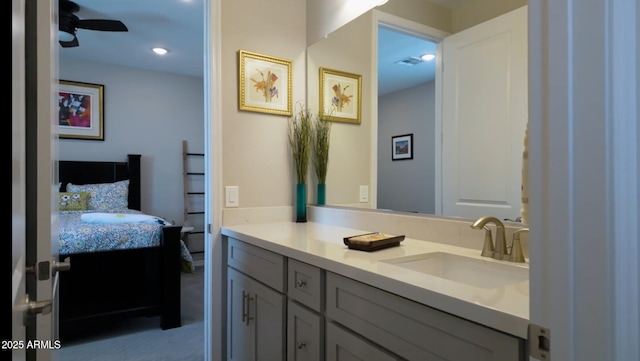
pixel 255 304
pixel 280 308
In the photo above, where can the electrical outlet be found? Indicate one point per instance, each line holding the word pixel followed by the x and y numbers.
pixel 232 196
pixel 364 194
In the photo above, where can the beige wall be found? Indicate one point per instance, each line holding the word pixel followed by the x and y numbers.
pixel 477 11
pixel 421 12
pixel 255 149
pixel 348 49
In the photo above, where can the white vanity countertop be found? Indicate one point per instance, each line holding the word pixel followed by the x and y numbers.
pixel 505 308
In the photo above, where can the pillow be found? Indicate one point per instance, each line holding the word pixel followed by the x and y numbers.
pixel 104 196
pixel 73 201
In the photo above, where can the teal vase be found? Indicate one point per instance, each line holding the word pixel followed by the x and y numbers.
pixel 301 203
pixel 322 192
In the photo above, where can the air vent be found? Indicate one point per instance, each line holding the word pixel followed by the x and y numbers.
pixel 410 61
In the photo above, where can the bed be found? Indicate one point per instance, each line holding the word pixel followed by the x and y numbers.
pixel 138 274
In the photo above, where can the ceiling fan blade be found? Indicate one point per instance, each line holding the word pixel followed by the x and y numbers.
pixel 102 25
pixel 70 44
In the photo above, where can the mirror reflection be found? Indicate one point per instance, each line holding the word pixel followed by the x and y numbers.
pixel 466 152
pixel 406 105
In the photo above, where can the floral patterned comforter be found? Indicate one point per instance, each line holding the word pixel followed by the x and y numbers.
pixel 76 236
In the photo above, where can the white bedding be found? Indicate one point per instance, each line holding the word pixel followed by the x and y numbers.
pixel 101 217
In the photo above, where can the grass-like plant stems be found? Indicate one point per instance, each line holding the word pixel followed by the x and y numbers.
pixel 300 129
pixel 321 142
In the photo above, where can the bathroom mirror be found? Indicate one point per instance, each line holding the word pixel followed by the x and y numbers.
pixel 362 168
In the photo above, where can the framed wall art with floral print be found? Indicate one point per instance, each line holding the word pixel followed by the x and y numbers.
pixel 340 96
pixel 80 110
pixel 264 83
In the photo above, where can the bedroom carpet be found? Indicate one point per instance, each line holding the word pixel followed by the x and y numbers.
pixel 142 339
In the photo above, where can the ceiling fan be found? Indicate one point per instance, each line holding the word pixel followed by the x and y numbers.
pixel 69 23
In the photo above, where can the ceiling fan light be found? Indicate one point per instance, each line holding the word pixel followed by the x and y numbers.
pixel 65 36
pixel 428 57
pixel 160 51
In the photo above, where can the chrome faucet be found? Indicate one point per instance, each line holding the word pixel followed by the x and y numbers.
pixel 500 249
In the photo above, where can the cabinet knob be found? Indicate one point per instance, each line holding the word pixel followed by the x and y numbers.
pixel 301 345
pixel 302 283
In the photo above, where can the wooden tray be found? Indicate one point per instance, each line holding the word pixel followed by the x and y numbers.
pixel 372 241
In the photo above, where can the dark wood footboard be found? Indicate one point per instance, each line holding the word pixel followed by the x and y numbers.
pixel 104 287
pixel 170 316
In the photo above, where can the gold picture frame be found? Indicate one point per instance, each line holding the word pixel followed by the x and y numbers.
pixel 264 83
pixel 80 110
pixel 340 96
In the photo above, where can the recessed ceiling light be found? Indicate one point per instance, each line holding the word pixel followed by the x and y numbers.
pixel 160 51
pixel 428 57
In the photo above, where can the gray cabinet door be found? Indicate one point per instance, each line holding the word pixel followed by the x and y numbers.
pixel 304 334
pixel 412 330
pixel 342 345
pixel 256 324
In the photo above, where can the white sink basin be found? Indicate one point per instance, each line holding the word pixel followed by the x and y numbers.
pixel 470 271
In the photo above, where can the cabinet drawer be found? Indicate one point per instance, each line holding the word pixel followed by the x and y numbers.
pixel 265 266
pixel 305 283
pixel 304 334
pixel 342 345
pixel 412 330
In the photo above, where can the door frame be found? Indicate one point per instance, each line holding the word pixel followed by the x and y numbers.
pixel 428 33
pixel 215 319
pixel 584 160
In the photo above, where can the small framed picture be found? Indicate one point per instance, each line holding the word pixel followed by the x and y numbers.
pixel 402 147
pixel 265 83
pixel 340 96
pixel 80 110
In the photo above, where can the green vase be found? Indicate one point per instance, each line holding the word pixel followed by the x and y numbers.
pixel 301 203
pixel 322 193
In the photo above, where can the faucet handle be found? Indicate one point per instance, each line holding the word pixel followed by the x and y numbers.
pixel 516 254
pixel 487 248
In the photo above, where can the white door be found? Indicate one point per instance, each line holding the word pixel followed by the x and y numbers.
pixel 484 113
pixel 18 212
pixel 33 165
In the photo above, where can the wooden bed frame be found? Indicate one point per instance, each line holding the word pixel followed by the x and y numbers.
pixel 110 285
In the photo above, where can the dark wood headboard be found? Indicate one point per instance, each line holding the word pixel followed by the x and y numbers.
pixel 88 172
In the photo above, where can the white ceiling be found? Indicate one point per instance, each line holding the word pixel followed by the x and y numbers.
pixel 178 25
pixel 393 74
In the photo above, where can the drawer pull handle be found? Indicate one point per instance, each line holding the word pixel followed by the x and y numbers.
pixel 302 283
pixel 244 306
pixel 301 345
pixel 249 299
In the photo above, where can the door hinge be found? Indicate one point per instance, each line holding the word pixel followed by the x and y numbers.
pixel 539 342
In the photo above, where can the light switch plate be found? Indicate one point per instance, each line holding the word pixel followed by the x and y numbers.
pixel 364 194
pixel 232 196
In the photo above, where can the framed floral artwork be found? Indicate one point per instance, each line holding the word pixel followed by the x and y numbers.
pixel 264 83
pixel 402 147
pixel 340 96
pixel 80 110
